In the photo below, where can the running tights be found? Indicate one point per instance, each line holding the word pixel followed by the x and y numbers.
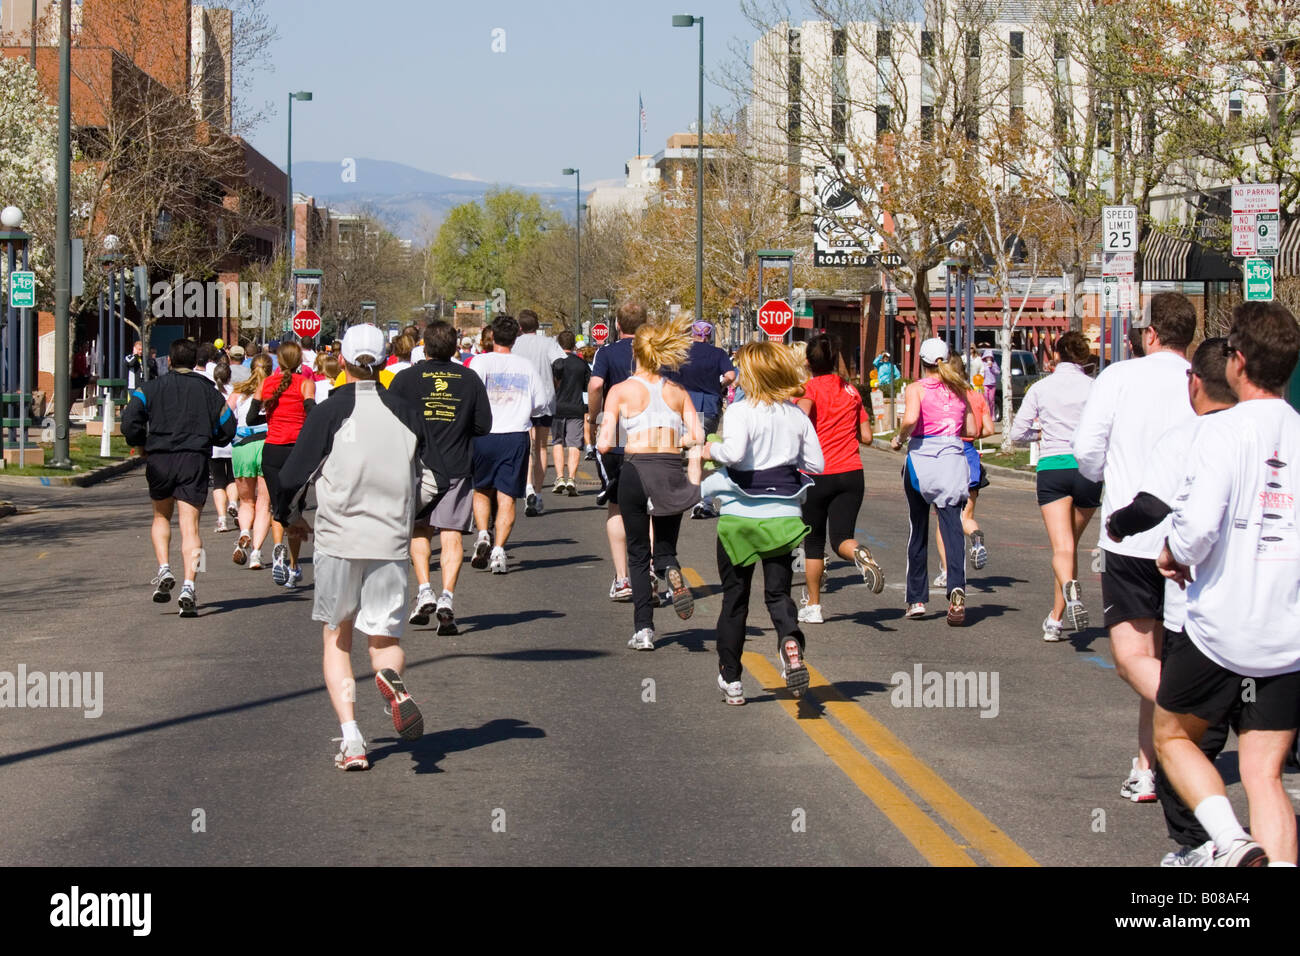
pixel 778 572
pixel 634 505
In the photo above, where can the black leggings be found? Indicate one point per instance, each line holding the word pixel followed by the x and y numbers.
pixel 633 503
pixel 736 582
pixel 273 459
pixel 834 500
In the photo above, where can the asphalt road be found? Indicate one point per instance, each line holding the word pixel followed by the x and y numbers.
pixel 547 740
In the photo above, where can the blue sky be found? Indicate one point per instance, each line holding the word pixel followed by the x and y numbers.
pixel 417 82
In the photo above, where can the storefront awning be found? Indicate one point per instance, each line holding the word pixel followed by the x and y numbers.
pixel 1164 257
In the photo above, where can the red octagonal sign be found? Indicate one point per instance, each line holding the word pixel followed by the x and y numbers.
pixel 599 333
pixel 776 318
pixel 306 324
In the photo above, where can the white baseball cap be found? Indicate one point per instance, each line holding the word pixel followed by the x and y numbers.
pixel 933 351
pixel 364 342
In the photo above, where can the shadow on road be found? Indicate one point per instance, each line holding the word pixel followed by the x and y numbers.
pixel 558 562
pixel 429 750
pixel 986 585
pixel 539 543
pixel 483 622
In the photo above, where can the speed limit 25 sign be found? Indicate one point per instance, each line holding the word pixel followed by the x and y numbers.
pixel 1119 228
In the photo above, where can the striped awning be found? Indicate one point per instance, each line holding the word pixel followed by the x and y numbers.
pixel 1288 251
pixel 1164 257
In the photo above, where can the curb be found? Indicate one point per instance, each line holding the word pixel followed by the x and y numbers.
pixel 999 471
pixel 80 480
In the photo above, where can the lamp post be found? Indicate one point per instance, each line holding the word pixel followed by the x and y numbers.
pixel 577 217
pixel 63 247
pixel 15 346
pixel 305 97
pixel 686 20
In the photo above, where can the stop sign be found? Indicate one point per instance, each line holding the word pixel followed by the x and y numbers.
pixel 775 318
pixel 599 333
pixel 306 324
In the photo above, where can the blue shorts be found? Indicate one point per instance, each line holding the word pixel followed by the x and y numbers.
pixel 501 463
pixel 978 476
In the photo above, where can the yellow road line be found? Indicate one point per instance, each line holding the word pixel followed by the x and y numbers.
pixel 693 577
pixel 998 848
pixel 922 832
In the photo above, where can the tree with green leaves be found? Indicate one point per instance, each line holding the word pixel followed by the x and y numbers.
pixel 478 243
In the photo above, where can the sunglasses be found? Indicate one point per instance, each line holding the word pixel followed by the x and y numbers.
pixel 1229 349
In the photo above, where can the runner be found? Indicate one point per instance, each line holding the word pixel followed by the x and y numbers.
pixel 613 364
pixel 936 415
pixel 282 405
pixel 542 352
pixel 571 375
pixel 454 409
pixel 835 498
pixel 1050 414
pixel 1235 522
pixel 177 419
pixel 364 445
pixel 657 420
pixel 765 443
pixel 705 375
pixel 1209 392
pixel 224 493
pixel 979 479
pixel 254 498
pixel 516 396
pixel 1130 406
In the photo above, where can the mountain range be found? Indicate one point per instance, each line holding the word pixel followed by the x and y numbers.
pixel 411 202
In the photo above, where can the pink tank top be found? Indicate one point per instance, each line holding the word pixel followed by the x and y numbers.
pixel 942 412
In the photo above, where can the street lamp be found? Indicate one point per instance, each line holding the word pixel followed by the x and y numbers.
pixel 577 216
pixel 305 97
pixel 686 20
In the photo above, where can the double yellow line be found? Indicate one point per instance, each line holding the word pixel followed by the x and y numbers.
pixel 908 815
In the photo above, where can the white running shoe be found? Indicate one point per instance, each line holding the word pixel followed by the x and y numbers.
pixel 915 611
pixel 810 614
pixel 1140 787
pixel 1076 615
pixel 222 527
pixel 352 756
pixel 1052 630
pixel 163 582
pixel 941 579
pixel 188 602
pixel 643 640
pixel 1240 853
pixel 280 564
pixel 255 562
pixel 732 693
pixel 621 589
pixel 498 562
pixel 482 550
pixel 446 617
pixel 1201 855
pixel 240 555
pixel 872 576
pixel 979 554
pixel 424 605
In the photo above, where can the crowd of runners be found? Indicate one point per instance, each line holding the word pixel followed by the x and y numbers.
pixel 431 435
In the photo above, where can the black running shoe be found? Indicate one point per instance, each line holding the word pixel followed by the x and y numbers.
pixel 482 551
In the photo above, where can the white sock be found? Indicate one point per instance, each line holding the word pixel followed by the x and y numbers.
pixel 1271 863
pixel 447 594
pixel 425 587
pixel 1216 816
pixel 188 583
pixel 529 490
pixel 351 732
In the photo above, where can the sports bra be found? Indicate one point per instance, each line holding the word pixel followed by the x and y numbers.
pixel 656 414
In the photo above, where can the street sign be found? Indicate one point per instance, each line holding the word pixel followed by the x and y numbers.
pixel 1259 280
pixel 1253 204
pixel 22 290
pixel 776 318
pixel 306 324
pixel 1117 293
pixel 1119 228
pixel 1118 263
pixel 599 333
pixel 1266 233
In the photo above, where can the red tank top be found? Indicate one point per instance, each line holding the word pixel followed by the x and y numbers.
pixel 284 422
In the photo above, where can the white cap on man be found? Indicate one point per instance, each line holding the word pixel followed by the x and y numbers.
pixel 364 346
pixel 933 351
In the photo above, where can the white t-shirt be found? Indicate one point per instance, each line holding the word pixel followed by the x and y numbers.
pixel 514 390
pixel 541 351
pixel 308 358
pixel 758 435
pixel 417 354
pixel 1235 522
pixel 323 388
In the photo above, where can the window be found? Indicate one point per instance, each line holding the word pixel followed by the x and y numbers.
pixel 1060 48
pixel 1105 126
pixel 1017 46
pixel 839 43
pixel 927 45
pixel 1060 122
pixel 882 43
pixel 927 124
pixel 882 120
pixel 973 47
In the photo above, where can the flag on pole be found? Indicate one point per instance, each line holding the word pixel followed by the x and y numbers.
pixel 642 106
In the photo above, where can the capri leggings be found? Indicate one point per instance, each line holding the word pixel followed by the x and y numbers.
pixel 273 459
pixel 833 500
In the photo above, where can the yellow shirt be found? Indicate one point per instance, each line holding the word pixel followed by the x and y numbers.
pixel 385 378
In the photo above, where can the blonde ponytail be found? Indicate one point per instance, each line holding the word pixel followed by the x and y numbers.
pixel 665 346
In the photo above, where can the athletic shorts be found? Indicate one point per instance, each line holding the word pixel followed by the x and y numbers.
pixel 247 459
pixel 222 471
pixel 543 421
pixel 978 476
pixel 1191 683
pixel 453 510
pixel 567 432
pixel 370 593
pixel 1131 588
pixel 1057 483
pixel 182 475
pixel 834 501
pixel 611 466
pixel 501 463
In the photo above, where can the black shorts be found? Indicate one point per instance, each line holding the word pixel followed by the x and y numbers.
pixel 182 475
pixel 1191 683
pixel 833 500
pixel 543 421
pixel 1057 483
pixel 222 471
pixel 610 465
pixel 1131 588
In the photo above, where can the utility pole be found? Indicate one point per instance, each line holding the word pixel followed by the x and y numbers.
pixel 63 248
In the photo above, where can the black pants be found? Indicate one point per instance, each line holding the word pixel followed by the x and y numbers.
pixel 632 502
pixel 918 544
pixel 778 572
pixel 1184 829
pixel 833 500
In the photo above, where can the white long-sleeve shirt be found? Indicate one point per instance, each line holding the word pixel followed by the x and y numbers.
pixel 1131 405
pixel 758 435
pixel 1052 409
pixel 1236 522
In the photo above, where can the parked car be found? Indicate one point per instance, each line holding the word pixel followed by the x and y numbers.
pixel 1024 372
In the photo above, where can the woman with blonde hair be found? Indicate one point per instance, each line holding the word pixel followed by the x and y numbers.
pixel 767 445
pixel 246 461
pixel 936 472
pixel 656 420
